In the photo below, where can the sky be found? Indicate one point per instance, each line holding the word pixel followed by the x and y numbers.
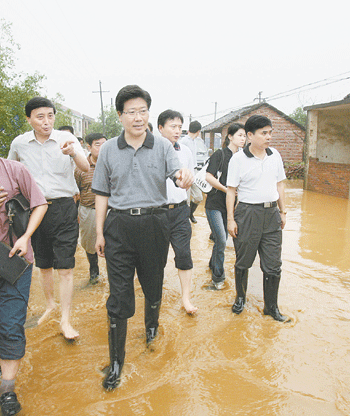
pixel 191 56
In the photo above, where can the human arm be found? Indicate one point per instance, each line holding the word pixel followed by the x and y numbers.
pixel 281 203
pixel 79 158
pixel 184 178
pixel 21 245
pixel 230 207
pixel 101 207
pixel 3 195
pixel 215 183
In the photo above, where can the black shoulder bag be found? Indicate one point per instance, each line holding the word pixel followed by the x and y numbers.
pixel 18 211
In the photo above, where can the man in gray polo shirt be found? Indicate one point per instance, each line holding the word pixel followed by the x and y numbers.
pixel 130 179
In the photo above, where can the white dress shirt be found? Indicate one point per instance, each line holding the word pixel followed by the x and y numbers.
pixel 52 170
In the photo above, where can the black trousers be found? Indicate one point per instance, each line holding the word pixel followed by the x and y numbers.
pixel 259 231
pixel 140 243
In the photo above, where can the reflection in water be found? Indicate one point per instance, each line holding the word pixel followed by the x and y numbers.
pixel 215 363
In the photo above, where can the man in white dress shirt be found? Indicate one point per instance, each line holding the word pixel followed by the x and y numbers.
pixel 51 156
pixel 170 126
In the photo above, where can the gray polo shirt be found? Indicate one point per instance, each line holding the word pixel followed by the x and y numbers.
pixel 135 178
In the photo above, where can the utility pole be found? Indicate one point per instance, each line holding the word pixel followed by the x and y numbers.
pixel 259 97
pixel 102 111
pixel 216 106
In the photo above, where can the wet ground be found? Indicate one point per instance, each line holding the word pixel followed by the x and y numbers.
pixel 215 363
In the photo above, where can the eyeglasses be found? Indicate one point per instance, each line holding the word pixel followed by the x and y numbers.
pixel 132 113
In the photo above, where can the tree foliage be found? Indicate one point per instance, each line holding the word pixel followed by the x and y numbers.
pixel 15 90
pixel 299 115
pixel 113 127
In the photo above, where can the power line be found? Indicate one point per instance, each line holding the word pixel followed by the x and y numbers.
pixel 287 93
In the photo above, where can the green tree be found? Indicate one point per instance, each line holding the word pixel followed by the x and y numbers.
pixel 113 127
pixel 15 90
pixel 299 115
pixel 63 116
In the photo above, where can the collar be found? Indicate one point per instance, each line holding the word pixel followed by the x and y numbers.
pixel 148 142
pixel 53 136
pixel 89 158
pixel 177 146
pixel 248 153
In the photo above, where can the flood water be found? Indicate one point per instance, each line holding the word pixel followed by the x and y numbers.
pixel 215 363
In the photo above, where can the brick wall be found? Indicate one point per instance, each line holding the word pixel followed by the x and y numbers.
pixel 328 178
pixel 287 138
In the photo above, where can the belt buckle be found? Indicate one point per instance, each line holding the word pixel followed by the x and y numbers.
pixel 135 211
pixel 267 204
pixel 171 206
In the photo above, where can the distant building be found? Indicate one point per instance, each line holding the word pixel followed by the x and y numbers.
pixel 80 122
pixel 288 135
pixel 328 148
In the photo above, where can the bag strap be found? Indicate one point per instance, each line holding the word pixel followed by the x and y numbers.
pixel 10 215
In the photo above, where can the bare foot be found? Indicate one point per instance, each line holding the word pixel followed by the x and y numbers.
pixel 47 313
pixel 190 309
pixel 68 331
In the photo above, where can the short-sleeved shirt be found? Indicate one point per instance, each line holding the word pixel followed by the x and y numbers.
pixel 255 178
pixel 191 144
pixel 15 178
pixel 135 178
pixel 218 162
pixel 52 170
pixel 84 181
pixel 175 194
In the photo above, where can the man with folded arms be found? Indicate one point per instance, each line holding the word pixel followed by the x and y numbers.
pixel 51 156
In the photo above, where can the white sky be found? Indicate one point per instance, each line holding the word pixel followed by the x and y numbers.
pixel 187 54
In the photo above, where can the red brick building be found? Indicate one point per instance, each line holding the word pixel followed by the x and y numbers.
pixel 288 135
pixel 328 148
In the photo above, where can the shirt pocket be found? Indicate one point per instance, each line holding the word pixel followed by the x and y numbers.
pixel 58 163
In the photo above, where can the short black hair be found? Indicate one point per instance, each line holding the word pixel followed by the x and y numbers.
pixel 194 126
pixel 150 127
pixel 169 115
pixel 69 128
pixel 93 136
pixel 128 93
pixel 256 122
pixel 38 102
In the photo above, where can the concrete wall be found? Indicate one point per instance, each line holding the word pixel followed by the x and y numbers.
pixel 333 136
pixel 328 151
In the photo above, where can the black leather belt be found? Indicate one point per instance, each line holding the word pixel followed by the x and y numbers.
pixel 140 211
pixel 172 206
pixel 263 204
pixel 59 200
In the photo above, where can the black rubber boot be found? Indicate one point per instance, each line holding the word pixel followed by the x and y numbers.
pixel 116 338
pixel 193 207
pixel 271 285
pixel 241 279
pixel 9 404
pixel 94 270
pixel 151 319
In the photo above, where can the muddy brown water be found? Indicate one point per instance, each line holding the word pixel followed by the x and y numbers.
pixel 215 363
